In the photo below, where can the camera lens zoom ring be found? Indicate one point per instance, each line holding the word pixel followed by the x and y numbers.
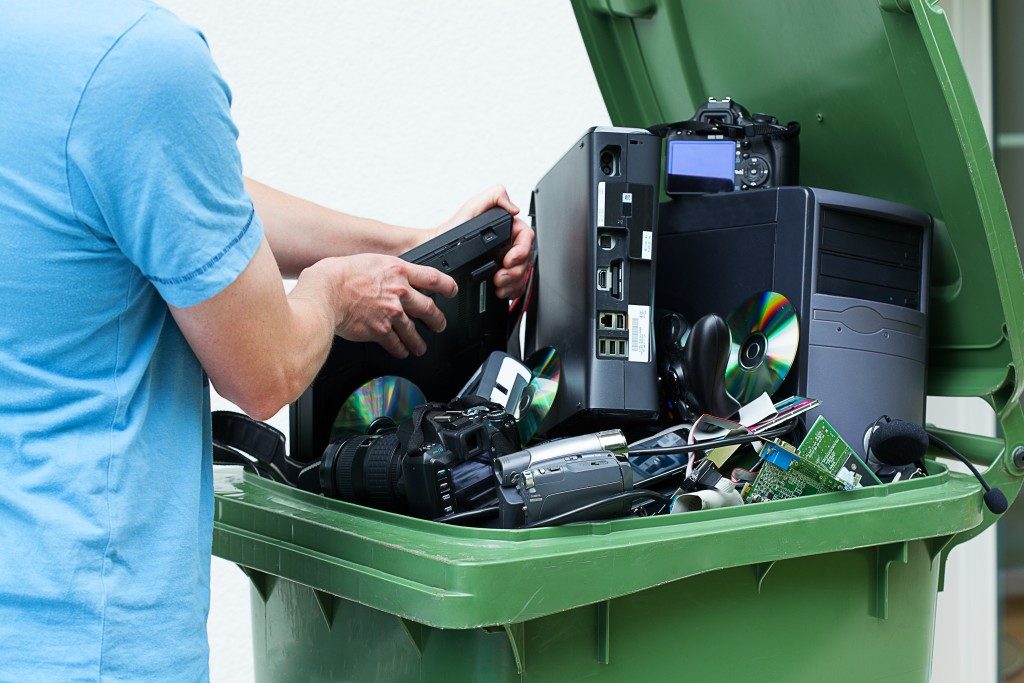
pixel 342 475
pixel 381 469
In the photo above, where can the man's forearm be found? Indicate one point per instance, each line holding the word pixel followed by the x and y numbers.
pixel 301 233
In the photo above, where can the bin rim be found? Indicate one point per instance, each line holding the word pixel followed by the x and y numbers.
pixel 462 577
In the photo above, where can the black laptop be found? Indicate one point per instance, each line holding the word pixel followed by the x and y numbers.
pixel 477 325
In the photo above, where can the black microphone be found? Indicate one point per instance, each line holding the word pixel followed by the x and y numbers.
pixel 899 443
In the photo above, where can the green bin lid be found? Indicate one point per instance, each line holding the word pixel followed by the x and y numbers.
pixel 886 111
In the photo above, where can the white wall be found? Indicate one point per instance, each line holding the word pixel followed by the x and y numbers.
pixel 400 110
pixel 395 110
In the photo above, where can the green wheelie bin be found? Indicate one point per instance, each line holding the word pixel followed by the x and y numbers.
pixel 833 587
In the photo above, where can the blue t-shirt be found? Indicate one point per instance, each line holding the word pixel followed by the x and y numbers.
pixel 120 192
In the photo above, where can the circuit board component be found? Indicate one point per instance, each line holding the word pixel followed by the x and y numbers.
pixel 826 448
pixel 784 474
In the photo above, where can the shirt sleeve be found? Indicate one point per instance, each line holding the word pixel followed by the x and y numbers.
pixel 153 164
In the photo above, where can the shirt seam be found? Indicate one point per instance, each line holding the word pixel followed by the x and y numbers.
pixel 110 463
pixel 78 106
pixel 193 274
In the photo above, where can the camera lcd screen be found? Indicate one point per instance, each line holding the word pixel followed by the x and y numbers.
pixel 703 158
pixel 701 165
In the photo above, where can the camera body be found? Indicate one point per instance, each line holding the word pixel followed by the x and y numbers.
pixel 437 463
pixel 561 484
pixel 725 148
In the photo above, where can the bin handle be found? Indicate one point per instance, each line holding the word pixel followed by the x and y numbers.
pixel 1004 458
pixel 979 449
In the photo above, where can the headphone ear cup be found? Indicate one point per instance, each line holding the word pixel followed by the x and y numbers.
pixel 871 430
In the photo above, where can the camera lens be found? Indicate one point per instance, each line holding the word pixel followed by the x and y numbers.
pixel 364 470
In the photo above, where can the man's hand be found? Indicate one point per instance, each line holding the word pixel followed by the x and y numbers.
pixel 376 298
pixel 262 349
pixel 511 278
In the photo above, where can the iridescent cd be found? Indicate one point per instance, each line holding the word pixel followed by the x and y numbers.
pixel 765 339
pixel 388 396
pixel 539 395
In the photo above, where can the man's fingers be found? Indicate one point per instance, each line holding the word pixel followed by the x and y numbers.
pixel 522 245
pixel 519 226
pixel 517 255
pixel 410 338
pixel 422 307
pixel 495 195
pixel 431 280
pixel 510 276
pixel 499 197
pixel 393 345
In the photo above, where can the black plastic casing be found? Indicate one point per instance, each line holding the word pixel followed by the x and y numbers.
pixel 477 325
pixel 855 268
pixel 563 484
pixel 567 210
pixel 452 471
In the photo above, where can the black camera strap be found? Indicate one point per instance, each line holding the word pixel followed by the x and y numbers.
pixel 728 130
pixel 419 413
pixel 240 440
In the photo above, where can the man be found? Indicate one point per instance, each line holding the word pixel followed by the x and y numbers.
pixel 134 260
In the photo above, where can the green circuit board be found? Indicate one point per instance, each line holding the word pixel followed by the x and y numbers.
pixel 826 448
pixel 784 474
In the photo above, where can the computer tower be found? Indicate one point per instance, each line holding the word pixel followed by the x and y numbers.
pixel 595 214
pixel 855 268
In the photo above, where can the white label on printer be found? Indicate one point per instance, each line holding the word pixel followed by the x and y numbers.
pixel 600 205
pixel 639 333
pixel 647 246
pixel 627 197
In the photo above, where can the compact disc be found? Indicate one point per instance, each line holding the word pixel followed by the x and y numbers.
pixel 765 339
pixel 387 396
pixel 539 395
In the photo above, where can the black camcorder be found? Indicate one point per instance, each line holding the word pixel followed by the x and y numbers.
pixel 437 463
pixel 723 148
pixel 576 483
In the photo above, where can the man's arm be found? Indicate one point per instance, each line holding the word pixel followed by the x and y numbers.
pixel 261 349
pixel 170 196
pixel 301 233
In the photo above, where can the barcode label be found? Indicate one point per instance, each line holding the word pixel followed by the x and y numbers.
pixel 647 245
pixel 600 205
pixel 639 333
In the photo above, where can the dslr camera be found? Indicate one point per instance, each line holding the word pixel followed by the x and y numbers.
pixel 723 148
pixel 437 463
